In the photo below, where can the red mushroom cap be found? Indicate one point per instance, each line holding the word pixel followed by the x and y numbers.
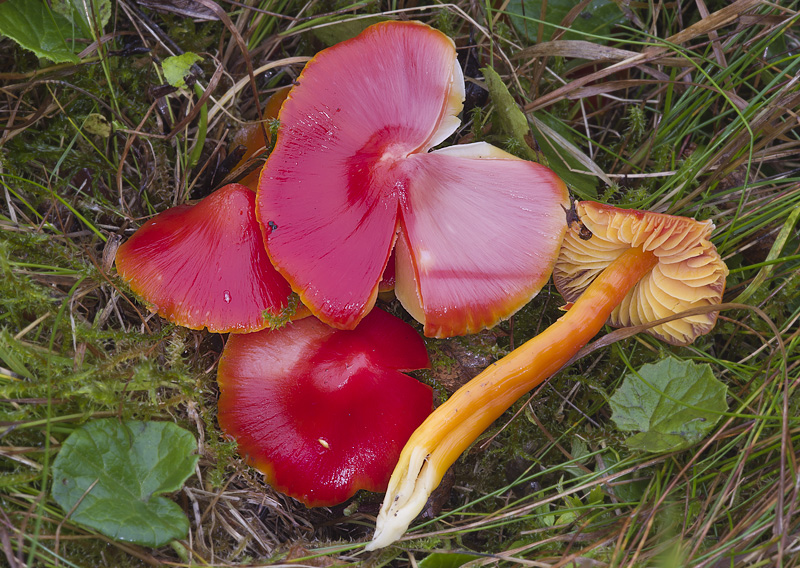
pixel 351 170
pixel 324 412
pixel 204 265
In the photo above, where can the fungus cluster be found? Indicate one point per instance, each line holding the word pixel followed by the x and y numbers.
pixel 352 201
pixel 355 198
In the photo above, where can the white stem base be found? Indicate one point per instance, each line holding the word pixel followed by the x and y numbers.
pixel 405 498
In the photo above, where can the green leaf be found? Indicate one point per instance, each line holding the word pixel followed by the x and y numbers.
pixel 507 116
pixel 579 451
pixel 348 28
pixel 543 517
pixel 446 560
pixel 178 66
pixel 672 404
pixel 596 495
pixel 566 518
pixel 628 488
pixel 596 19
pixel 97 124
pixel 35 27
pixel 79 12
pixel 108 476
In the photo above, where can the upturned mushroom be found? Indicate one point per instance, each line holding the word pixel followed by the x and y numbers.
pixel 688 272
pixel 352 176
pixel 324 412
pixel 204 265
pixel 630 266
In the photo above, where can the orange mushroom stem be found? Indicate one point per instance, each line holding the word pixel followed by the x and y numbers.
pixel 652 240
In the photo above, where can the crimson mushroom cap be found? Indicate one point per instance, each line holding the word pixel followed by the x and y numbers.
pixel 689 273
pixel 204 265
pixel 479 229
pixel 324 412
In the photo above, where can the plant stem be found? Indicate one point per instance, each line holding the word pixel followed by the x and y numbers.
pixel 452 427
pixel 197 150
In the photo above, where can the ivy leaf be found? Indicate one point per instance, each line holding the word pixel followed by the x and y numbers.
pixel 108 476
pixel 673 404
pixel 34 26
pixel 177 67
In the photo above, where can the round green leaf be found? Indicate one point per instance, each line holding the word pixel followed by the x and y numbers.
pixel 109 474
pixel 673 404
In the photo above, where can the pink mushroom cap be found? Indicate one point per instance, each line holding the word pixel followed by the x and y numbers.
pixel 352 174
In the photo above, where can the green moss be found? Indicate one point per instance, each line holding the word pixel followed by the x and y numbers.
pixel 445 22
pixel 285 315
pixel 636 121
